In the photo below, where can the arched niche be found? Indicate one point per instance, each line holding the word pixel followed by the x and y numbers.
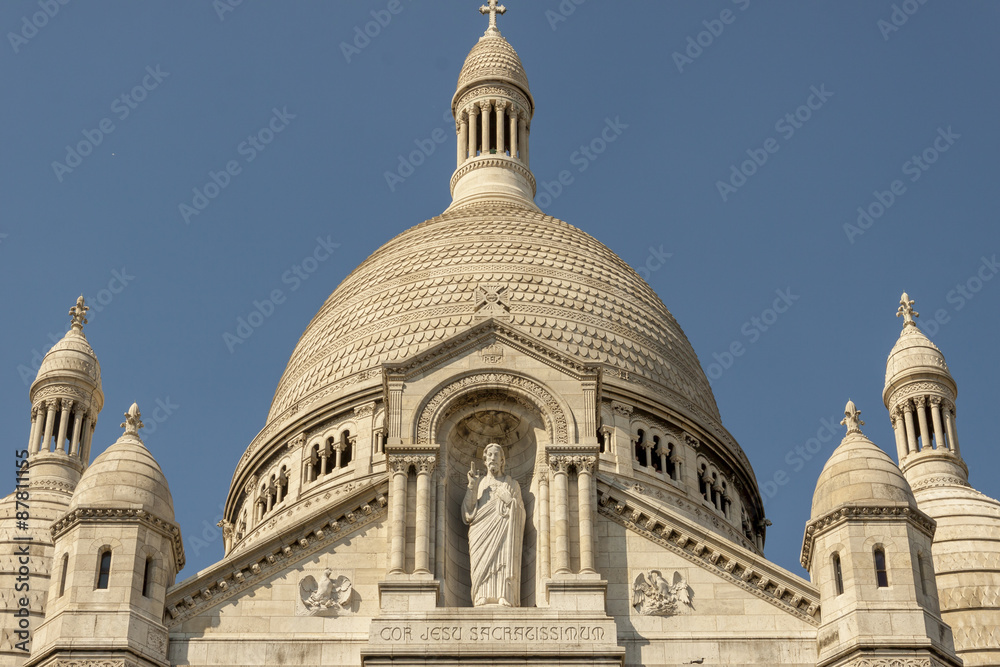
pixel 523 418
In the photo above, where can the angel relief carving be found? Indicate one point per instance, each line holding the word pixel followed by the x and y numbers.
pixel 327 597
pixel 653 595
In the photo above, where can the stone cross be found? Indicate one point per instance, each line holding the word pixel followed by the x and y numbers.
pixel 493 9
pixel 133 421
pixel 906 310
pixel 79 314
pixel 852 418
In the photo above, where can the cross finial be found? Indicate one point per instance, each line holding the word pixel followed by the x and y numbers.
pixel 493 9
pixel 906 310
pixel 133 421
pixel 79 314
pixel 852 418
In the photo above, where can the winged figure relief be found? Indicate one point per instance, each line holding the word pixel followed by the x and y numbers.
pixel 654 595
pixel 326 597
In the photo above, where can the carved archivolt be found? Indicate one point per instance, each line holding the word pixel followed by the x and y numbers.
pixel 505 383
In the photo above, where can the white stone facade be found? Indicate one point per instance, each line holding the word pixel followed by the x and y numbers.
pixel 346 541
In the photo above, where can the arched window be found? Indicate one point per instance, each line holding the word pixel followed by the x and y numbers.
pixel 62 577
pixel 640 448
pixel 838 574
pixel 656 454
pixel 104 570
pixel 881 575
pixel 346 454
pixel 147 577
pixel 703 482
pixel 600 439
pixel 282 483
pixel 922 573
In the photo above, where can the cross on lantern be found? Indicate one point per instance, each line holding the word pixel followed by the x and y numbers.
pixel 493 9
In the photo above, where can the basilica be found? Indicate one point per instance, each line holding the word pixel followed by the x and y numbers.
pixel 494 445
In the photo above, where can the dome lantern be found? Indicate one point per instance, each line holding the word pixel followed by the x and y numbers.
pixel 920 396
pixel 493 108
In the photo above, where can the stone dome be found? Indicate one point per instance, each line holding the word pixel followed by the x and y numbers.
pixel 914 353
pixel 125 476
pixel 544 276
pixel 859 473
pixel 492 59
pixel 71 357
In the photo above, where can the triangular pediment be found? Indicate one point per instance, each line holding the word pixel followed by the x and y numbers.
pixel 480 337
pixel 241 573
pixel 620 501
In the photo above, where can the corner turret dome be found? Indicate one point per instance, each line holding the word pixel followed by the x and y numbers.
pixel 492 59
pixel 126 476
pixel 859 474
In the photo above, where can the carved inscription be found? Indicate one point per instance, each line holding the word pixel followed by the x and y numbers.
pixel 427 633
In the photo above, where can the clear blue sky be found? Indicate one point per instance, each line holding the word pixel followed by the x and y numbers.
pixel 880 96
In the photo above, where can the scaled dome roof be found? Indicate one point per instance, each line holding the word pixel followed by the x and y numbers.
pixel 914 352
pixel 554 282
pixel 492 58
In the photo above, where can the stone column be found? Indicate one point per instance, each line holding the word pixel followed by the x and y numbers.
pixel 544 537
pixel 663 458
pixel 36 423
pixel 584 474
pixel 439 517
pixel 67 408
pixel 50 418
pixel 425 466
pixel 911 434
pixel 513 131
pixel 339 449
pixel 485 107
pixel 949 419
pixel 522 135
pixel 559 467
pixel 324 456
pixel 473 129
pixel 896 417
pixel 463 139
pixel 397 496
pixel 936 419
pixel 925 432
pixel 89 422
pixel 269 499
pixel 74 446
pixel 676 460
pixel 500 106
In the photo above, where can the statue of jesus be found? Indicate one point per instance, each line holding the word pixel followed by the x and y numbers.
pixel 494 511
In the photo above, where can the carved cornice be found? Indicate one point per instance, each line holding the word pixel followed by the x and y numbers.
pixel 491 91
pixel 748 571
pixel 917 388
pixel 942 480
pixel 866 513
pixel 104 515
pixel 239 573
